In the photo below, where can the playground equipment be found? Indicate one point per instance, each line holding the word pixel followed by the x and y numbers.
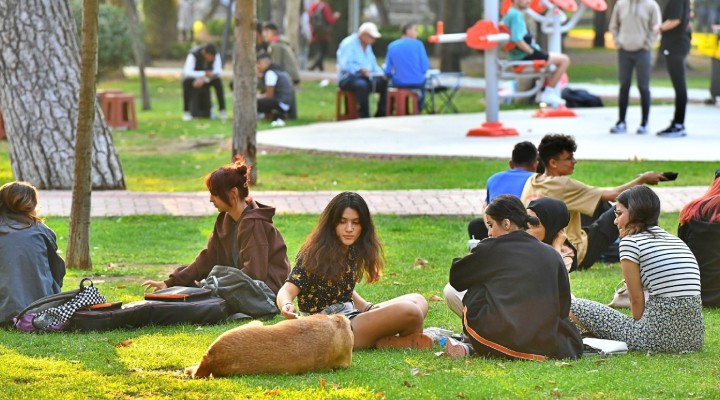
pixel 486 35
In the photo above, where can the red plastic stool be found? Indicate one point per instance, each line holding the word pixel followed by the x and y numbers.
pixel 349 100
pixel 397 102
pixel 119 110
pixel 3 135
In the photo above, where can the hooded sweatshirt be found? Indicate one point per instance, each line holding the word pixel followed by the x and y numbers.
pixel 252 244
pixel 632 24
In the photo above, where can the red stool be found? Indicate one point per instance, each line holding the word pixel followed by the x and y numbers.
pixel 119 110
pixel 3 135
pixel 397 101
pixel 349 100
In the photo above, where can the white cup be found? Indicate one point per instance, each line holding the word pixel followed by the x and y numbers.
pixel 472 243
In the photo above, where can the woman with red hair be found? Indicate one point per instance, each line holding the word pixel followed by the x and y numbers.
pixel 244 236
pixel 700 230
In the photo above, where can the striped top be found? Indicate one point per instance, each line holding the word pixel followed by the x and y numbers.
pixel 667 266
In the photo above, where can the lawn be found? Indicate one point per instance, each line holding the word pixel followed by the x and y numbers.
pixel 148 362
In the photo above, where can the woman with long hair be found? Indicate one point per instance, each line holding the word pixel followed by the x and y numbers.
pixel 671 320
pixel 700 230
pixel 518 293
pixel 29 262
pixel 244 236
pixel 342 249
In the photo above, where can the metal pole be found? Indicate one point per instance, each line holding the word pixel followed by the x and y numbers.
pixel 353 16
pixel 492 107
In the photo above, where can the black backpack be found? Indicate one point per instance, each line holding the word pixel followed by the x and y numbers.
pixel 318 22
pixel 577 98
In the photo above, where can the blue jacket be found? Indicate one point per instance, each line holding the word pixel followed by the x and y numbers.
pixel 406 62
pixel 351 58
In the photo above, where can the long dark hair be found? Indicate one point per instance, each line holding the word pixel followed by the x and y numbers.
pixel 643 206
pixel 235 175
pixel 324 255
pixel 18 201
pixel 507 206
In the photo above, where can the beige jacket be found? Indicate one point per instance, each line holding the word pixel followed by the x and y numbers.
pixel 632 24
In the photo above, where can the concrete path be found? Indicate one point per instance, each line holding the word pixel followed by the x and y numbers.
pixel 400 202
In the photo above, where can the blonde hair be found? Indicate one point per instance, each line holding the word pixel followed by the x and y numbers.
pixel 18 200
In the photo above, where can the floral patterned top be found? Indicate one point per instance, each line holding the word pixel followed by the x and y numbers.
pixel 318 293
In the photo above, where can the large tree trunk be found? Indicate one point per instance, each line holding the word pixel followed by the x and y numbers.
pixel 160 26
pixel 78 253
pixel 245 106
pixel 451 53
pixel 39 87
pixel 383 12
pixel 138 50
pixel 293 24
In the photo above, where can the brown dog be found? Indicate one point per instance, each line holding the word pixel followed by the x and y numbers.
pixel 316 342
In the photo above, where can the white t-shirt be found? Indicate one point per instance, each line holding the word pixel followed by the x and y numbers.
pixel 667 266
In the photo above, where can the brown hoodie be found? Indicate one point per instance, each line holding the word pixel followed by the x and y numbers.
pixel 632 24
pixel 262 250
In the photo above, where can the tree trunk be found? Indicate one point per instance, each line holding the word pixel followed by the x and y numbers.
pixel 160 26
pixel 39 87
pixel 451 53
pixel 244 88
pixel 383 12
pixel 78 252
pixel 138 50
pixel 277 14
pixel 293 24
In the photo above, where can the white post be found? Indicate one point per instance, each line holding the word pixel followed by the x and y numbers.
pixel 492 106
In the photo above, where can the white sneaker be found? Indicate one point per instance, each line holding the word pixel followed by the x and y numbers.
pixel 277 123
pixel 223 115
pixel 187 116
pixel 549 97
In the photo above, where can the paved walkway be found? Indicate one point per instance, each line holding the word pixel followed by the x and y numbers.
pixel 400 202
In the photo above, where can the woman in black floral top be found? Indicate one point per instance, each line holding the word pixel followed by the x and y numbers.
pixel 339 251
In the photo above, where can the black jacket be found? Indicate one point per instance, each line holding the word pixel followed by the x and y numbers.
pixel 518 299
pixel 703 239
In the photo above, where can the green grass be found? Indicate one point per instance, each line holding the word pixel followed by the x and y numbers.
pixel 96 365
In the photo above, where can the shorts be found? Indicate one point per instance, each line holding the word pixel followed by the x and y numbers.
pixel 537 55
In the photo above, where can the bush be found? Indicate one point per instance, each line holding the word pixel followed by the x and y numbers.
pixel 114 42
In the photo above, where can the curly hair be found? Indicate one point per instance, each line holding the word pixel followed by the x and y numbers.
pixel 552 145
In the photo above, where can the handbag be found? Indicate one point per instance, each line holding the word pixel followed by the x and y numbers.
pixel 621 298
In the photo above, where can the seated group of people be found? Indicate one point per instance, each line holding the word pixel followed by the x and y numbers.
pixel 512 291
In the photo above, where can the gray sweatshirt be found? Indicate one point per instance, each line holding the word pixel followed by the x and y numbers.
pixel 632 24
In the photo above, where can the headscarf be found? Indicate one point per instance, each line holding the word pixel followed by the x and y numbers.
pixel 554 216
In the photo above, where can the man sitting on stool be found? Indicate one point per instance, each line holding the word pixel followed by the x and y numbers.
pixel 202 67
pixel 407 62
pixel 278 93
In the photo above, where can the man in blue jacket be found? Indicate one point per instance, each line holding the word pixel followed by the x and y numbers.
pixel 407 62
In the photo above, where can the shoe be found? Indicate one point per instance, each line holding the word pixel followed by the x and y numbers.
pixel 412 341
pixel 549 97
pixel 277 123
pixel 641 130
pixel 438 335
pixel 674 130
pixel 458 349
pixel 620 127
pixel 223 115
pixel 187 116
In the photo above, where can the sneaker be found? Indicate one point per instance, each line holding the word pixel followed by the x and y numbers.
pixel 438 335
pixel 277 123
pixel 674 130
pixel 549 97
pixel 642 129
pixel 411 341
pixel 187 116
pixel 620 127
pixel 223 115
pixel 458 349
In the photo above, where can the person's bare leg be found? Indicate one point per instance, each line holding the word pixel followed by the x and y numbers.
pixel 394 317
pixel 414 298
pixel 561 62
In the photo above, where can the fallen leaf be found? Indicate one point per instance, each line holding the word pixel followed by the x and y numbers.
pixel 397 283
pixel 461 395
pixel 439 353
pixel 552 382
pixel 415 372
pixel 468 363
pixel 74 361
pixel 124 343
pixel 421 263
pixel 322 383
pixel 435 298
pixel 407 384
pixel 538 387
pixel 555 392
pixel 501 365
pixel 562 364
pixel 335 386
pixel 272 392
pixel 121 286
pixel 380 394
pixel 599 361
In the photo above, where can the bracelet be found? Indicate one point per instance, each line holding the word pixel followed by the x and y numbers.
pixel 290 304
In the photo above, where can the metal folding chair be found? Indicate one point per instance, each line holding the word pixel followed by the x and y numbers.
pixel 441 88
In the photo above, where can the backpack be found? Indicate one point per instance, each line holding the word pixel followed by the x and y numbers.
pixel 317 21
pixel 52 313
pixel 580 98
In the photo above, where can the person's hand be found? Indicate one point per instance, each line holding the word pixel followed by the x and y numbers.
pixel 288 311
pixel 652 178
pixel 365 72
pixel 198 82
pixel 209 74
pixel 559 239
pixel 656 29
pixel 155 285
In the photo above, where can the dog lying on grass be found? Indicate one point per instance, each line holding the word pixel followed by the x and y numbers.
pixel 313 343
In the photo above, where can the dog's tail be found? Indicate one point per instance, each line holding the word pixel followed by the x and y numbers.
pixel 198 371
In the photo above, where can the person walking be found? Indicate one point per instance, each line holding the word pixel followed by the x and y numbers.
pixel 322 18
pixel 634 24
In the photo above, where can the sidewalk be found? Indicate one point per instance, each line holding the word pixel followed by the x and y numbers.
pixel 462 202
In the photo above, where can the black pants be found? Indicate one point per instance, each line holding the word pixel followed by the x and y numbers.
pixel 268 106
pixel 640 61
pixel 675 65
pixel 215 83
pixel 601 234
pixel 363 86
pixel 320 49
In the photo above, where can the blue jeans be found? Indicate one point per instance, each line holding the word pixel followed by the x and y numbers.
pixel 640 61
pixel 362 87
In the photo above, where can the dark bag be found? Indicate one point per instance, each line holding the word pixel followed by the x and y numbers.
pixel 52 313
pixel 175 305
pixel 576 98
pixel 246 297
pixel 317 21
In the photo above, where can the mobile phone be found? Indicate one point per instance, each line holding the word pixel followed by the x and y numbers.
pixel 671 176
pixel 717 173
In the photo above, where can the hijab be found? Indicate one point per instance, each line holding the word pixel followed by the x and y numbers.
pixel 553 214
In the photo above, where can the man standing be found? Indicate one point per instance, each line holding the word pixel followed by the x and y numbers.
pixel 526 49
pixel 202 68
pixel 322 18
pixel 358 70
pixel 278 95
pixel 557 154
pixel 280 52
pixel 407 62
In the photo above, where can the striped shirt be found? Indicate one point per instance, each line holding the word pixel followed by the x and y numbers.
pixel 667 266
